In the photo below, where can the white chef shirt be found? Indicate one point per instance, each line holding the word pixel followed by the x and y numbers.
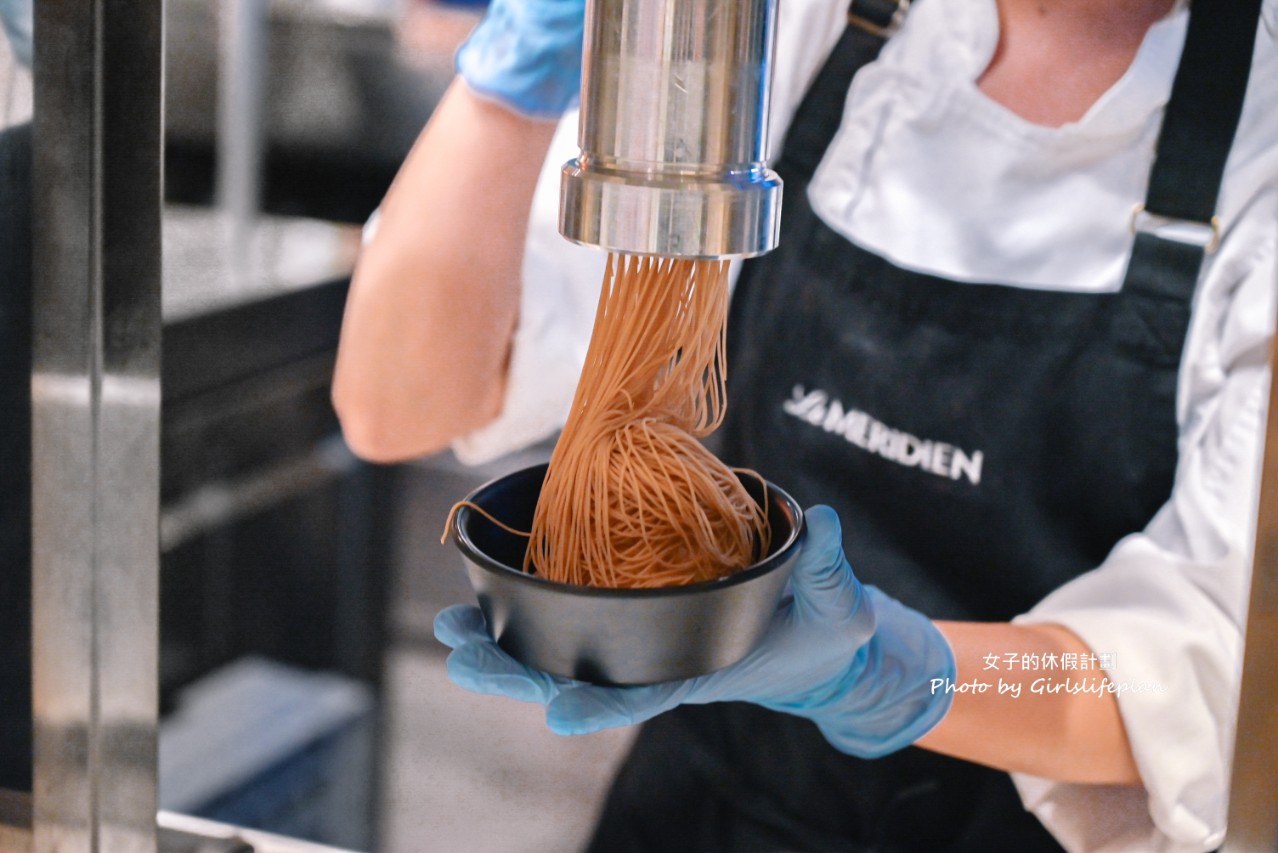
pixel 933 175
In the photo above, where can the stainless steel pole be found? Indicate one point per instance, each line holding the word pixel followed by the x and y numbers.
pixel 243 29
pixel 95 422
pixel 1253 800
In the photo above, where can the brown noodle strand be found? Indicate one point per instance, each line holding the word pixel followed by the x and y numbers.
pixel 631 497
pixel 452 513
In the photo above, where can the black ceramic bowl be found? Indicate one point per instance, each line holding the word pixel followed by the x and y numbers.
pixel 618 636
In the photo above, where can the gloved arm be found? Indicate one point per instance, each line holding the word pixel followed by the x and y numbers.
pixel 434 302
pixel 526 55
pixel 850 658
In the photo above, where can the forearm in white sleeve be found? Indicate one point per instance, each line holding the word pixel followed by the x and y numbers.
pixel 1167 608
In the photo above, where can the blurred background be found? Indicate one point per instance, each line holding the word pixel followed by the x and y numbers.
pixel 301 689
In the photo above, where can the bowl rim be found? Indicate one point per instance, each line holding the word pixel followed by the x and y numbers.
pixel 777 558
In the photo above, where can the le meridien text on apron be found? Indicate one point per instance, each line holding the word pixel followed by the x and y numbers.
pixel 869 434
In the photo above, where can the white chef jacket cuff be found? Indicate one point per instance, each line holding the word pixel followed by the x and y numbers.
pixel 1175 656
pixel 539 389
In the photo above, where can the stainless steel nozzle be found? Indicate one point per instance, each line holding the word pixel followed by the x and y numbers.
pixel 673 130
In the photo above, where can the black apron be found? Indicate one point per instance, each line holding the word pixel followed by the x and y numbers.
pixel 15 458
pixel 982 444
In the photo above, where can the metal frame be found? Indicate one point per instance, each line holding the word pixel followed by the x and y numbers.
pixel 243 33
pixel 95 417
pixel 1253 801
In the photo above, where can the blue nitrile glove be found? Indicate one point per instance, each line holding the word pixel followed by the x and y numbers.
pixel 526 54
pixel 16 17
pixel 848 657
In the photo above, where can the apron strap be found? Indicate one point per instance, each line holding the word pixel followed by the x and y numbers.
pixel 870 23
pixel 1177 226
pixel 879 18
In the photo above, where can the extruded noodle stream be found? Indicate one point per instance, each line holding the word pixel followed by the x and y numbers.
pixel 631 496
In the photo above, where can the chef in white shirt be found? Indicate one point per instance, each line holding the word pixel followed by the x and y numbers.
pixel 1021 357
